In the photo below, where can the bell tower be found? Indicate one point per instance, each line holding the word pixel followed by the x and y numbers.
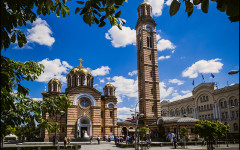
pixel 147 61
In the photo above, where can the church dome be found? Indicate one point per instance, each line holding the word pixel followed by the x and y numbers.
pixel 81 69
pixel 54 80
pixel 80 76
pixel 109 85
pixel 54 85
pixel 144 3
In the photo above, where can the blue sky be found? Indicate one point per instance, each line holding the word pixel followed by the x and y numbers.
pixel 187 48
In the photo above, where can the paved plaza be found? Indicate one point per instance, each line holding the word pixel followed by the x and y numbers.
pixel 111 146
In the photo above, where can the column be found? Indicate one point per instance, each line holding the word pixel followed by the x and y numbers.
pixel 71 81
pixel 197 114
pixel 108 91
pixel 213 107
pixel 229 113
pixel 85 80
pixel 219 112
pixel 216 111
pixel 52 88
pixel 194 116
pixel 78 80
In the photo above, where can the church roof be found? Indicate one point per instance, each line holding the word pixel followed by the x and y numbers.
pixel 144 3
pixel 81 69
pixel 54 80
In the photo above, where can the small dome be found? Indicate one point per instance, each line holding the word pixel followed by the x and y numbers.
pixel 144 3
pixel 81 69
pixel 54 80
pixel 109 85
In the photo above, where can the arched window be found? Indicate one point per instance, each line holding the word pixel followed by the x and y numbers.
pixel 55 88
pixel 235 127
pixel 140 43
pixel 149 41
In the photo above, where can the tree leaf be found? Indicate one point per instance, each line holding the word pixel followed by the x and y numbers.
pixel 175 5
pixel 205 6
pixel 13 38
pixel 102 24
pixel 58 12
pixel 118 14
pixel 80 2
pixel 119 26
pixel 196 2
pixel 189 6
pixel 221 5
pixel 77 10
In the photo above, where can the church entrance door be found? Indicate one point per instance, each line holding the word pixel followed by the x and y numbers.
pixel 84 127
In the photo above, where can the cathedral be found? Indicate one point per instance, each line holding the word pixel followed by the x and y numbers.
pixel 94 114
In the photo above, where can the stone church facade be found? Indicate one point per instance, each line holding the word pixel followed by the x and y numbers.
pixel 90 113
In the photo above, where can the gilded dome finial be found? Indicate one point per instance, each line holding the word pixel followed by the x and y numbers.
pixel 80 62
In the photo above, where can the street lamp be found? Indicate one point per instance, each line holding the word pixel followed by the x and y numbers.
pixel 55 140
pixel 135 114
pixel 233 72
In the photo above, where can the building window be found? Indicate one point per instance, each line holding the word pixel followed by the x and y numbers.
pixel 102 114
pixel 209 117
pixel 111 129
pixel 221 104
pixel 62 129
pixel 111 114
pixel 149 41
pixel 232 104
pixel 140 43
pixel 225 104
pixel 206 98
pixel 236 102
pixel 102 130
pixel 235 127
pixel 237 114
pixel 226 115
pixel 192 130
pixel 212 117
pixel 151 74
pixel 233 114
pixel 152 91
pixel 200 118
pixel 223 117
pixel 207 107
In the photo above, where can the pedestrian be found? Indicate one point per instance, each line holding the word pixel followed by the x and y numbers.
pixel 127 140
pixel 98 139
pixel 68 140
pixel 115 139
pixel 149 143
pixel 181 142
pixel 175 142
pixel 203 141
pixel 65 142
pixel 106 137
pixel 91 140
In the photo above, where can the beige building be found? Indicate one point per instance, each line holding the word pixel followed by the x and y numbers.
pixel 208 103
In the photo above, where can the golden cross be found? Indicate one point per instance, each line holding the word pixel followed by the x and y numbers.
pixel 109 81
pixel 80 62
pixel 54 76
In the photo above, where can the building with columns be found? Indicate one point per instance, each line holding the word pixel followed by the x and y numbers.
pixel 208 103
pixel 90 113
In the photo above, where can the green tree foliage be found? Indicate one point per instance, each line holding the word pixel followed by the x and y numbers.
pixel 16 13
pixel 16 107
pixel 184 134
pixel 211 131
pixel 143 132
pixel 54 106
pixel 231 7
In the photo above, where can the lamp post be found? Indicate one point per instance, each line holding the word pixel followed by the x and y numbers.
pixel 136 130
pixel 226 123
pixel 233 72
pixel 55 140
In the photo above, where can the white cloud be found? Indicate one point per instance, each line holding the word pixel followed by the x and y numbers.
pixel 37 99
pixel 97 86
pixel 177 96
pixel 125 87
pixel 101 80
pixel 25 46
pixel 134 72
pixel 121 38
pixel 165 44
pixel 157 6
pixel 203 66
pixel 185 92
pixel 178 82
pixel 104 70
pixel 168 2
pixel 54 67
pixel 164 92
pixel 158 37
pixel 164 57
pixel 124 113
pixel 40 33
